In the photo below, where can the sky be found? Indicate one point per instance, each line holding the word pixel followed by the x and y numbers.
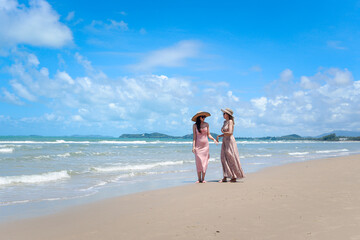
pixel 113 67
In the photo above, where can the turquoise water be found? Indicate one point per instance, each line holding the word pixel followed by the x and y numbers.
pixel 44 175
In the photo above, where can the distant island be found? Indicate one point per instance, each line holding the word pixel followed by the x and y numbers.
pixel 160 135
pixel 324 137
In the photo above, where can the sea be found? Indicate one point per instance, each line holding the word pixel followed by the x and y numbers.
pixel 44 175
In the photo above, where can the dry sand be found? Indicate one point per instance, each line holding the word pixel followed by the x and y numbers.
pixel 317 199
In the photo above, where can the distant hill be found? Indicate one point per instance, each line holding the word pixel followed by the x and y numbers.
pixel 190 136
pixel 147 135
pixel 159 135
pixel 341 133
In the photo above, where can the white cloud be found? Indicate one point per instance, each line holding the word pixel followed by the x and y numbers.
pixel 97 25
pixel 22 91
pixel 64 76
pixel 36 25
pixel 70 16
pixel 307 105
pixel 286 75
pixel 10 98
pixel 306 83
pixel 33 60
pixel 230 95
pixel 260 103
pixel 335 45
pixel 339 77
pixel 77 118
pixel 99 100
pixel 174 56
pixel 89 68
pixel 119 25
pixel 329 99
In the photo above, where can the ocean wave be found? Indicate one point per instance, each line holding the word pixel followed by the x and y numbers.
pixel 101 153
pixel 123 142
pixel 33 179
pixel 275 142
pixel 298 153
pixel 135 167
pixel 262 155
pixel 43 157
pixel 6 150
pixel 333 151
pixel 64 155
pixel 255 155
pixel 7 203
pixel 97 142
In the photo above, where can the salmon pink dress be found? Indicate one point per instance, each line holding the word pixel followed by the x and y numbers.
pixel 202 150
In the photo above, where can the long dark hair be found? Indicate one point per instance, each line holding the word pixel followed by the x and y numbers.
pixel 232 118
pixel 198 123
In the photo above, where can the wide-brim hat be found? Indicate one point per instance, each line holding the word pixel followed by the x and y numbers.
pixel 206 114
pixel 228 111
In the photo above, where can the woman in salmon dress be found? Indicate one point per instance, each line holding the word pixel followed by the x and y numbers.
pixel 201 133
pixel 230 160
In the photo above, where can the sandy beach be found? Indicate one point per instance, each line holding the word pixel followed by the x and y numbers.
pixel 316 199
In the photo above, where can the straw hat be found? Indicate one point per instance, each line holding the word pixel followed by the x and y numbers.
pixel 228 111
pixel 200 114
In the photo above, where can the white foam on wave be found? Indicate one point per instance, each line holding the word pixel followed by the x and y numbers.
pixel 262 155
pixel 44 199
pixel 333 151
pixel 135 167
pixel 6 150
pixel 43 157
pixel 123 142
pixel 213 160
pixel 298 153
pixel 274 142
pixel 34 179
pixel 256 155
pixel 64 155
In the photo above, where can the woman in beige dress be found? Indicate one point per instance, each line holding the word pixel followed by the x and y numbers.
pixel 229 152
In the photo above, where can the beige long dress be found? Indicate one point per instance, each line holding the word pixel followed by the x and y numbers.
pixel 230 156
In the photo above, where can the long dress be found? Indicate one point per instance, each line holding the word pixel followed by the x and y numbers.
pixel 202 150
pixel 230 156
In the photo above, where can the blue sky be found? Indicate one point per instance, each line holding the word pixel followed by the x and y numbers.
pixel 114 67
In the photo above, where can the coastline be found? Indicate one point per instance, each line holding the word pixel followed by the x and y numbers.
pixel 315 199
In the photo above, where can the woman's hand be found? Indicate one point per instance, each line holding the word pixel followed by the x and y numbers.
pixel 193 149
pixel 217 139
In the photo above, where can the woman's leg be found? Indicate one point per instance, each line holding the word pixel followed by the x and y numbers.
pixel 203 177
pixel 199 177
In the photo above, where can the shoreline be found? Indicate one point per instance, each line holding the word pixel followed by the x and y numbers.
pixel 315 199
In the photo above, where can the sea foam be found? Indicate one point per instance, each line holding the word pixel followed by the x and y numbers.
pixel 333 151
pixel 34 179
pixel 6 150
pixel 135 167
pixel 298 153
